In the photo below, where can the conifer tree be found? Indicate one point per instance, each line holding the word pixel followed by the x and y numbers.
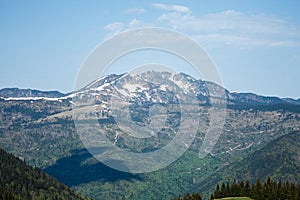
pixel 217 192
pixel 241 189
pixel 223 190
pixel 247 189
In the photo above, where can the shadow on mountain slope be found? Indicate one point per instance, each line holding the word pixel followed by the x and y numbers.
pixel 81 167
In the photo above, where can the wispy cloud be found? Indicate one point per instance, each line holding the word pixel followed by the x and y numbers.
pixel 135 23
pixel 135 11
pixel 230 27
pixel 117 27
pixel 114 28
pixel 175 8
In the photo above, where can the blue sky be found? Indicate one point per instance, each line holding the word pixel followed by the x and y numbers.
pixel 254 44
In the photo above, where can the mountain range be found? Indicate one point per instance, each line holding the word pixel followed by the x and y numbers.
pixel 39 126
pixel 16 92
pixel 198 87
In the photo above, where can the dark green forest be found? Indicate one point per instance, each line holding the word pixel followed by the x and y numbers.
pixel 21 181
pixel 269 190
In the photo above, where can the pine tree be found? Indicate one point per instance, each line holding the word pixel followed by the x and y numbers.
pixel 247 189
pixel 186 196
pixel 280 193
pixel 241 189
pixel 228 192
pixel 258 193
pixel 234 188
pixel 217 191
pixel 287 190
pixel 196 196
pixel 223 190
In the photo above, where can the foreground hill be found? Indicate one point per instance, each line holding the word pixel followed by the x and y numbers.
pixel 21 181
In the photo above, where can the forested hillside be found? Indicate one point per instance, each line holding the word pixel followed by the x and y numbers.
pixel 279 159
pixel 21 181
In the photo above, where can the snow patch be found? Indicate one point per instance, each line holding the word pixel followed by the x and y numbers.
pixel 30 99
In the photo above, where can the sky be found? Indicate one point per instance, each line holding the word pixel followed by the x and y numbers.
pixel 255 45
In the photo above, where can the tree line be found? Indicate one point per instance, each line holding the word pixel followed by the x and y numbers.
pixel 270 190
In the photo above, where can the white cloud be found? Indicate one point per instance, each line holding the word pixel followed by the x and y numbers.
pixel 114 28
pixel 230 27
pixel 135 11
pixel 118 27
pixel 176 8
pixel 134 23
pixel 234 28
